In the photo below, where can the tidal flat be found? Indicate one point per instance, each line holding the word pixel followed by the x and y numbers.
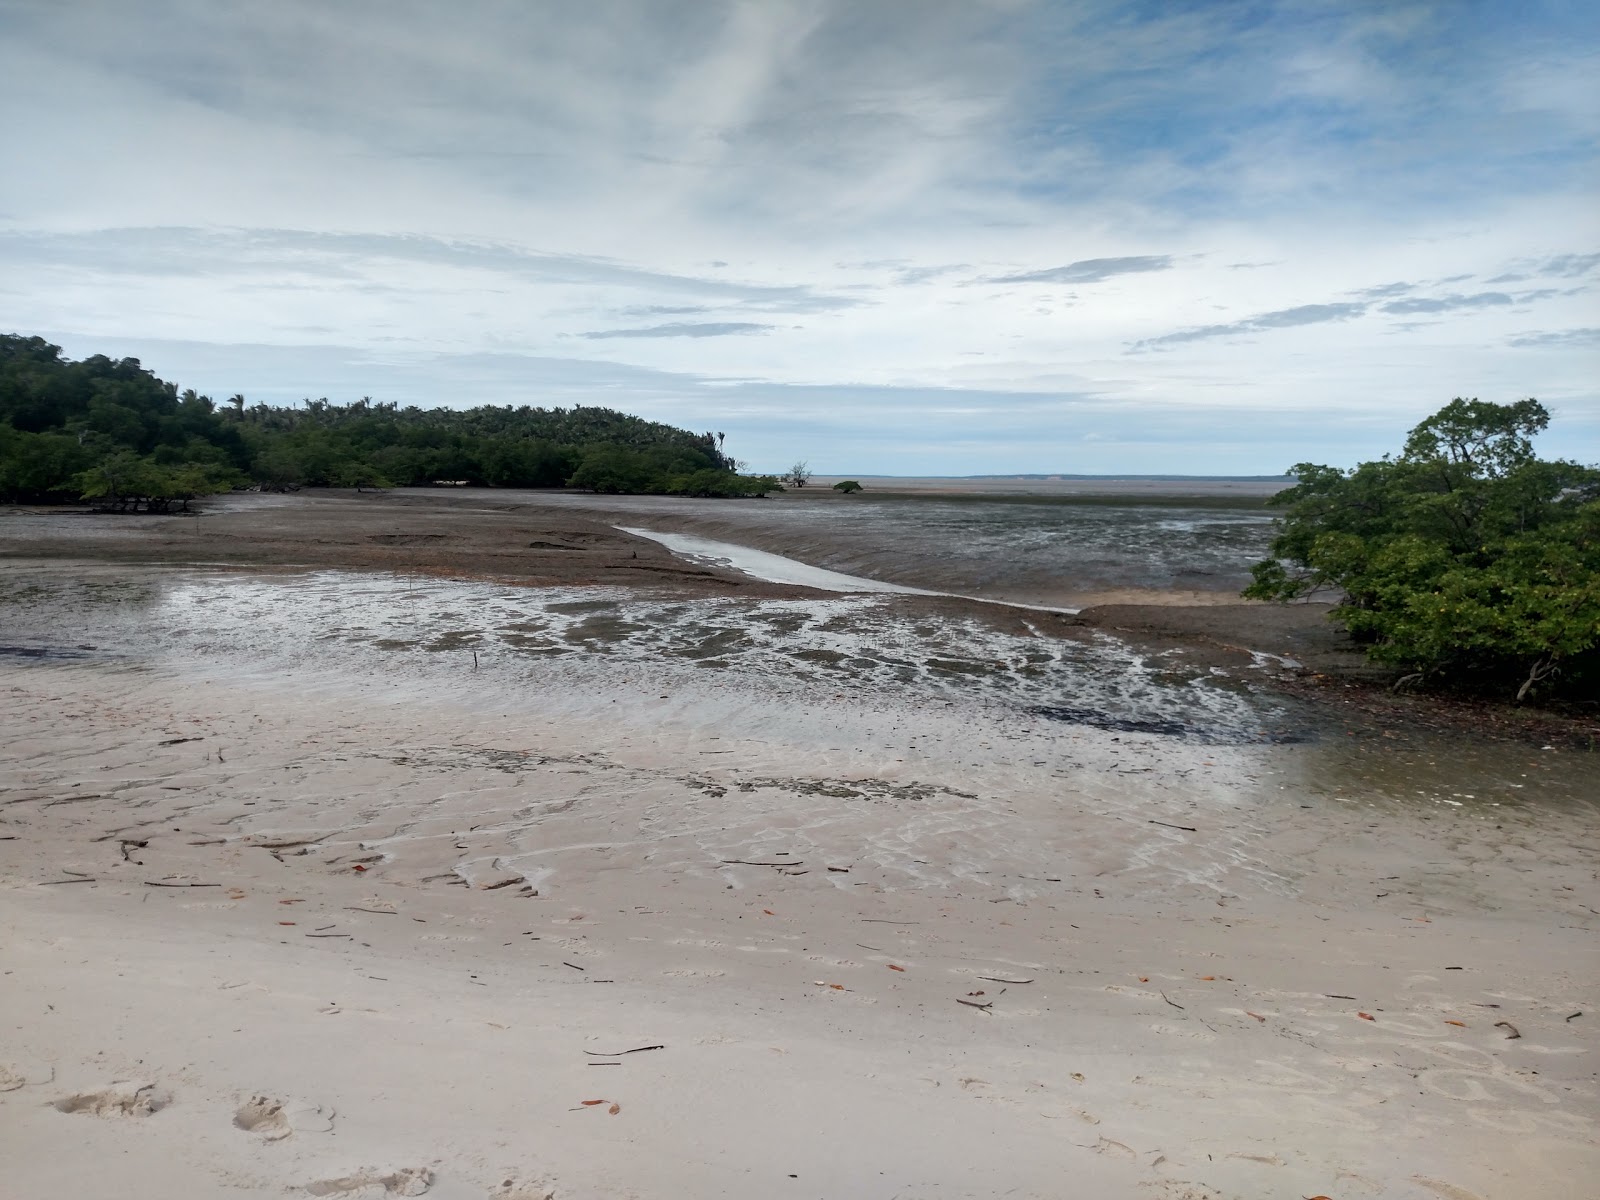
pixel 347 838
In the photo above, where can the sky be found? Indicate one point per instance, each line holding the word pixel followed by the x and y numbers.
pixel 883 236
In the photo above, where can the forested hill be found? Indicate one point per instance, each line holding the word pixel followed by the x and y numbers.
pixel 111 430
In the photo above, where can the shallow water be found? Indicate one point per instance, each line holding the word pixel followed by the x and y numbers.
pixel 1038 550
pixel 849 694
pixel 564 636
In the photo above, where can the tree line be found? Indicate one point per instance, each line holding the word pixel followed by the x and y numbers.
pixel 109 431
pixel 1465 561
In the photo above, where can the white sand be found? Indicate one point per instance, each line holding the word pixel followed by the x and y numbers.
pixel 1183 1033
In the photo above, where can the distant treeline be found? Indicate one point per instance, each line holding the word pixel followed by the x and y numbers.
pixel 109 430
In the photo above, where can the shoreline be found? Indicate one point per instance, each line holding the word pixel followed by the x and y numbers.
pixel 365 926
pixel 525 539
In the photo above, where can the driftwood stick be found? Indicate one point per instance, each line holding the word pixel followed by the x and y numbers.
pixel 151 883
pixel 620 1053
pixel 1169 825
pixel 745 862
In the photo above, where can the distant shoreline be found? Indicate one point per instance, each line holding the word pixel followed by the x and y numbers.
pixel 1199 489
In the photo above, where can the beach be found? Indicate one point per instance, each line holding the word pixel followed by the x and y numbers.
pixel 468 846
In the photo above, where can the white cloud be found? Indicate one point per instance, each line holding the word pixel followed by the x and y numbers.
pixel 889 218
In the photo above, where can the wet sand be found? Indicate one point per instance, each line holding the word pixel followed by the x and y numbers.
pixel 555 539
pixel 450 835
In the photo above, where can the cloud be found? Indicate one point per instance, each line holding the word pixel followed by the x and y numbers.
pixel 1385 290
pixel 1567 266
pixel 1557 338
pixel 1570 264
pixel 492 182
pixel 1453 303
pixel 681 329
pixel 1283 318
pixel 1091 270
pixel 195 251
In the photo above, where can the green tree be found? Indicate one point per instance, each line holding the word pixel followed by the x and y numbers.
pixel 848 487
pixel 1465 560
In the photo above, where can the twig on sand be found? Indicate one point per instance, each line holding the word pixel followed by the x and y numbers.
pixel 382 912
pixel 975 1003
pixel 1003 979
pixel 1174 1003
pixel 1508 1025
pixel 330 935
pixel 152 883
pixel 1332 996
pixel 620 1053
pixel 79 879
pixel 745 862
pixel 574 966
pixel 887 921
pixel 1169 825
pixel 1579 1013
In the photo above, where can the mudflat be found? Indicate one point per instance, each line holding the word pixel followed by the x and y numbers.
pixel 328 871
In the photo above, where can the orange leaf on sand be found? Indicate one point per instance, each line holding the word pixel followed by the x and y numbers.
pixel 359 867
pixel 1144 979
pixel 1207 978
pixel 1319 1198
pixel 285 922
pixel 1366 1016
pixel 838 987
pixel 614 1109
pixel 592 1103
pixel 892 967
pixel 769 912
pixel 1457 1024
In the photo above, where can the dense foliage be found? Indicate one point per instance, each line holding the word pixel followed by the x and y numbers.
pixel 1465 560
pixel 110 431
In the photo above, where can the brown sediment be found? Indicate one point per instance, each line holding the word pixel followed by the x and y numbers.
pixel 476 534
pixel 543 539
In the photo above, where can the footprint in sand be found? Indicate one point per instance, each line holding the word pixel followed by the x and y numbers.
pixel 263 1117
pixel 140 1102
pixel 273 1120
pixel 1182 1189
pixel 408 1181
pixel 1174 1031
pixel 1448 1190
pixel 11 1080
pixel 1114 1149
pixel 512 1189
